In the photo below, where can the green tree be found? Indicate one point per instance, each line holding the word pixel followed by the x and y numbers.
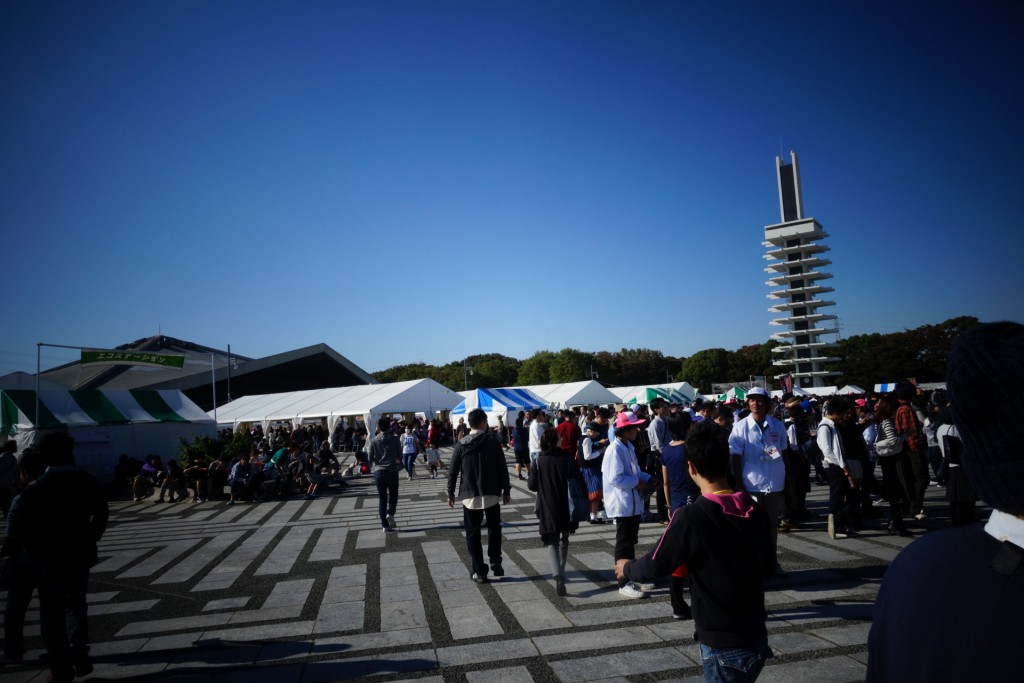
pixel 536 369
pixel 706 367
pixel 570 365
pixel 753 359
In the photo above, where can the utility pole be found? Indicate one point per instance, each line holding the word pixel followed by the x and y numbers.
pixel 467 370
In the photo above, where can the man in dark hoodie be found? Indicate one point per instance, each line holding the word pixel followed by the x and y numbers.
pixel 724 539
pixel 485 483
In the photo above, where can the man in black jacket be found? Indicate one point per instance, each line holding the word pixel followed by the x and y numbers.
pixel 724 539
pixel 63 515
pixel 484 484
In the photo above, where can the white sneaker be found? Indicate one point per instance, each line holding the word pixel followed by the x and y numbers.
pixel 647 586
pixel 391 522
pixel 632 590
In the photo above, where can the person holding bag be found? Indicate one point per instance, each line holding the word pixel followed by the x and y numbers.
pixel 549 479
pixel 897 473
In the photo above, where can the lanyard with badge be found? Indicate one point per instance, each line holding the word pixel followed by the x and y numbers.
pixel 769 451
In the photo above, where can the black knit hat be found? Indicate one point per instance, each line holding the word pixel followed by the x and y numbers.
pixel 983 359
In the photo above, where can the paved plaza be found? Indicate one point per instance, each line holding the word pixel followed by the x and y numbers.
pixel 312 590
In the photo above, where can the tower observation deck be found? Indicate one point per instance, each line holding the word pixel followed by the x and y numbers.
pixel 795 258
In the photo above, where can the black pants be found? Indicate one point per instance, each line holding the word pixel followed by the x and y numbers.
pixel 627 535
pixel 838 496
pixel 474 521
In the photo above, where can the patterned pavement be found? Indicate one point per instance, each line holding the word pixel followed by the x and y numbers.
pixel 312 590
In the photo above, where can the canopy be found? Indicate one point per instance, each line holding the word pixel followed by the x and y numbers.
pixel 648 394
pixel 676 392
pixel 498 403
pixel 369 401
pixel 885 388
pixel 105 424
pixel 585 393
pixel 737 393
pixel 852 389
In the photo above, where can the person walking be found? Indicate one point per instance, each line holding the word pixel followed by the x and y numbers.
pixel 549 479
pixel 63 516
pixel 623 496
pixel 410 448
pixel 478 467
pixel 384 454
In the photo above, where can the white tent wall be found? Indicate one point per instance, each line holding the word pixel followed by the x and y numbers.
pixel 98 448
pixel 588 392
pixel 369 401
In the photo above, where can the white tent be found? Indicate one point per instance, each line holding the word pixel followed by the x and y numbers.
pixel 369 401
pixel 105 424
pixel 851 389
pixel 585 393
pixel 885 388
pixel 498 403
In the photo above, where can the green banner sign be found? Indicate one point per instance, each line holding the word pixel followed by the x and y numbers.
pixel 132 358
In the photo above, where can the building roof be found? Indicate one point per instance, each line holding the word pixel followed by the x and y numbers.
pixel 312 367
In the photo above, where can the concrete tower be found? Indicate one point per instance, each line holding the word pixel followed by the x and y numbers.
pixel 795 251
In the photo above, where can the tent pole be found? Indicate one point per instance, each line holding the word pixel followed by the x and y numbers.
pixel 39 351
pixel 213 376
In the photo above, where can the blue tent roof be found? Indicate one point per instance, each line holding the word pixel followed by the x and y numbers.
pixel 489 399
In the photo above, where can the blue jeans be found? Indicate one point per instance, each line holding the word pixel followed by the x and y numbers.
pixel 387 494
pixel 733 665
pixel 408 460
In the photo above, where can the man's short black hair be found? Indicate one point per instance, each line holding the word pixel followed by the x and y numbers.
pixel 477 419
pixel 384 424
pixel 707 447
pixel 58 448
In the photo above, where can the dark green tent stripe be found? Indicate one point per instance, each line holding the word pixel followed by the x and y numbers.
pixel 8 416
pixel 98 407
pixel 25 400
pixel 154 404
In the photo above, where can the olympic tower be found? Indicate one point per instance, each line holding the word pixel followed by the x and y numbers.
pixel 795 258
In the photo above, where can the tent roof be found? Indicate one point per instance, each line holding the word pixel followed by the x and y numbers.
pixel 852 389
pixel 413 396
pixel 90 408
pixel 498 400
pixel 587 392
pixel 686 389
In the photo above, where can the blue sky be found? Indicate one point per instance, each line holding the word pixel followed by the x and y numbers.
pixel 422 181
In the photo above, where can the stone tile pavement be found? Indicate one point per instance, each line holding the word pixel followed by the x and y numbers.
pixel 311 591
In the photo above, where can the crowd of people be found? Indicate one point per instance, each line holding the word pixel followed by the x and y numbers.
pixel 723 478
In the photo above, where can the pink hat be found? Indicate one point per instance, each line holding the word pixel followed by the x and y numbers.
pixel 861 402
pixel 628 419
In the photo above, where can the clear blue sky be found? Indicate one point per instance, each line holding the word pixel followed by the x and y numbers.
pixel 422 181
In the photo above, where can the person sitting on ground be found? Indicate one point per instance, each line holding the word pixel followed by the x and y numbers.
pixel 147 477
pixel 174 481
pixel 197 477
pixel 244 480
pixel 724 539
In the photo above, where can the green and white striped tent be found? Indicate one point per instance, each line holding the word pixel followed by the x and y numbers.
pixel 105 424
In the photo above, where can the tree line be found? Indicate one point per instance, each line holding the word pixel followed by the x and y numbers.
pixel 865 359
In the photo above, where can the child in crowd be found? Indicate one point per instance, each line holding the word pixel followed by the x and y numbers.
pixel 433 459
pixel 724 539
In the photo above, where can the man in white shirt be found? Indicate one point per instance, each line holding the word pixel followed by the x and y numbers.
pixel 756 445
pixel 537 427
